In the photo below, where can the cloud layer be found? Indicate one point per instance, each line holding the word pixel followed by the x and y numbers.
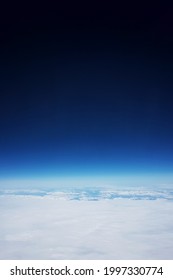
pixel 54 227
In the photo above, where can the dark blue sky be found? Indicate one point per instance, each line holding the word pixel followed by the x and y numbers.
pixel 86 90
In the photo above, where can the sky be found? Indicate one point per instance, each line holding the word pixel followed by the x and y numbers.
pixel 86 91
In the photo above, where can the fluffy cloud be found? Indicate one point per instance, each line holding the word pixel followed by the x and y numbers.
pixel 51 227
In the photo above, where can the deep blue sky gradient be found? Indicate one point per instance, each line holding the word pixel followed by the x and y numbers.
pixel 86 94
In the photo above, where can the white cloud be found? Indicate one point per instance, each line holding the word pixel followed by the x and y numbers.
pixel 48 227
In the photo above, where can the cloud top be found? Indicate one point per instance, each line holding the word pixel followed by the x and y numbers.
pixel 54 227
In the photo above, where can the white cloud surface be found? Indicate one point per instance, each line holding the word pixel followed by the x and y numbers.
pixel 34 227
